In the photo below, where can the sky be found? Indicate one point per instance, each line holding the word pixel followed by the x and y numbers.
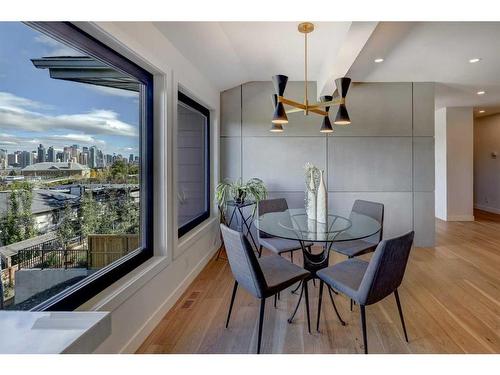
pixel 35 108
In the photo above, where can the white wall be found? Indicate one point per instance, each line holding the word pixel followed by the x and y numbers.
pixel 440 160
pixel 454 164
pixel 140 300
pixel 486 167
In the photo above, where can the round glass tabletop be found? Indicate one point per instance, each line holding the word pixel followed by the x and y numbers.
pixel 293 224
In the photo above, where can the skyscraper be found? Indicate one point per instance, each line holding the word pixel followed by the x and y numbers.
pixel 25 159
pixel 40 154
pixel 93 157
pixel 51 154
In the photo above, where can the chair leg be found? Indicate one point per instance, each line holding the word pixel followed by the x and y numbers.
pixel 291 256
pixel 320 297
pixel 363 327
pixel 261 321
pixel 260 251
pixel 297 288
pixel 306 295
pixel 335 306
pixel 275 298
pixel 351 305
pixel 314 283
pixel 232 302
pixel 401 313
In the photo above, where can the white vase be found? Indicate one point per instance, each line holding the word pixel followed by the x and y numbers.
pixel 311 199
pixel 321 211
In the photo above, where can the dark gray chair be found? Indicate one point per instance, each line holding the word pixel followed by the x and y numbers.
pixel 277 245
pixel 369 282
pixel 263 277
pixel 366 245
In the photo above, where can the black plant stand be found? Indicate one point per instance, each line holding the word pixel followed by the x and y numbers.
pixel 244 223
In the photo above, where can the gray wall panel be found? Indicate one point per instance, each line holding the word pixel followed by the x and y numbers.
pixel 423 164
pixel 424 220
pixel 230 107
pixel 294 199
pixel 230 163
pixel 398 213
pixel 279 161
pixel 423 109
pixel 379 109
pixel 369 164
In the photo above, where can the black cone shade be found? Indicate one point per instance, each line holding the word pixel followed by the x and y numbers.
pixel 274 98
pixel 343 85
pixel 342 117
pixel 276 128
pixel 326 98
pixel 326 126
pixel 279 115
pixel 279 82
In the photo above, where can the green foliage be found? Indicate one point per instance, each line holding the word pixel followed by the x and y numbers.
pixel 66 228
pixel 253 189
pixel 128 213
pixel 18 223
pixel 88 215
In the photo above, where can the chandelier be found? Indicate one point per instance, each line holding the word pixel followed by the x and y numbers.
pixel 322 108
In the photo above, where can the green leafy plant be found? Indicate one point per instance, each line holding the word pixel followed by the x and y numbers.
pixel 253 189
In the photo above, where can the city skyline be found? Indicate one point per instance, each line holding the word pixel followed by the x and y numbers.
pixel 35 108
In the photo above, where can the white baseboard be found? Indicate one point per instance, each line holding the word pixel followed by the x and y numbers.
pixel 460 218
pixel 493 210
pixel 138 338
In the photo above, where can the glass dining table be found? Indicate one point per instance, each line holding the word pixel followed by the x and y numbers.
pixel 293 224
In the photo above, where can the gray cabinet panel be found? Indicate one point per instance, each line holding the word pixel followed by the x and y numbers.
pixel 379 109
pixel 230 106
pixel 424 220
pixel 258 110
pixel 370 164
pixel 398 213
pixel 423 109
pixel 423 164
pixel 230 158
pixel 279 162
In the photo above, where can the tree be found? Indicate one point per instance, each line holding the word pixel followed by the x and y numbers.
pixel 128 215
pixel 18 223
pixel 89 214
pixel 119 171
pixel 108 221
pixel 66 228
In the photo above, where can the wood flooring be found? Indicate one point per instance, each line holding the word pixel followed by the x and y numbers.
pixel 450 297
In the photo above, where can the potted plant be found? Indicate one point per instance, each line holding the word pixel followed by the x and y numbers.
pixel 238 191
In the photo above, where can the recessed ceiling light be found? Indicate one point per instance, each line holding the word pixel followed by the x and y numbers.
pixel 475 60
pixel 482 111
pixel 379 60
pixel 481 92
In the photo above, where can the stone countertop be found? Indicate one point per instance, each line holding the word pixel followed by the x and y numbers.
pixel 26 332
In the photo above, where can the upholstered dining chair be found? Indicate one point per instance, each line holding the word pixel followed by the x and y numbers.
pixel 369 282
pixel 276 245
pixel 262 277
pixel 367 245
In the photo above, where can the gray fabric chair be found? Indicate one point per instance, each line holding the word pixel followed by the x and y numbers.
pixel 358 247
pixel 276 245
pixel 367 245
pixel 369 282
pixel 263 277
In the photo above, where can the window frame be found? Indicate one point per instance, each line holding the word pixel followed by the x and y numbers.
pixel 79 293
pixel 186 100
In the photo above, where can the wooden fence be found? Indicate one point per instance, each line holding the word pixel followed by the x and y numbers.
pixel 107 248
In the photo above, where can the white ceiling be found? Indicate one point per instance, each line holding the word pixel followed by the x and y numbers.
pixel 230 53
pixel 437 52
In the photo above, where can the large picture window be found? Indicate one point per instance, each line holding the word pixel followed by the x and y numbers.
pixel 75 166
pixel 193 163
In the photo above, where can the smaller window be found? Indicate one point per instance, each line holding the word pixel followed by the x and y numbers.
pixel 193 163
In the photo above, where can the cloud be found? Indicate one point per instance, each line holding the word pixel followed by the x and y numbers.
pixel 79 138
pixel 113 92
pixel 55 48
pixel 19 113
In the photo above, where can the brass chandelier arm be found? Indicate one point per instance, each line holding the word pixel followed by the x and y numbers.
pixel 315 108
